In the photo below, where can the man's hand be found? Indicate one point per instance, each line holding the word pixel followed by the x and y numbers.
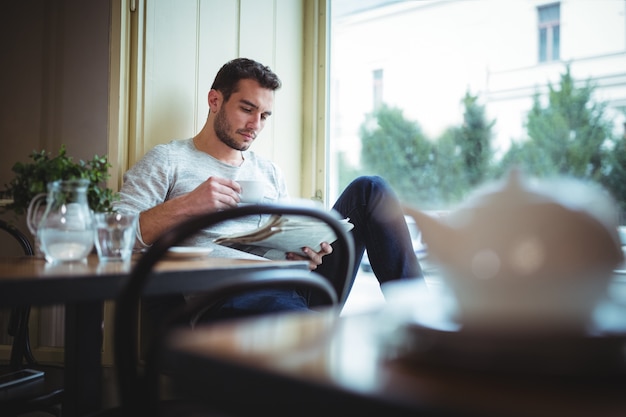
pixel 212 195
pixel 314 258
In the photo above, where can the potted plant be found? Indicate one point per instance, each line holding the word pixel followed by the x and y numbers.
pixel 32 178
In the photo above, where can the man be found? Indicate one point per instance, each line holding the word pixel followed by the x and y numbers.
pixel 187 177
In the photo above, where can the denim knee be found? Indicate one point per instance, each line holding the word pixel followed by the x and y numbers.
pixel 370 188
pixel 373 182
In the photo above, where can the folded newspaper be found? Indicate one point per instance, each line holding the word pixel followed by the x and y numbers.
pixel 282 234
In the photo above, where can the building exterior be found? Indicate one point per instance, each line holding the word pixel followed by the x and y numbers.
pixel 422 56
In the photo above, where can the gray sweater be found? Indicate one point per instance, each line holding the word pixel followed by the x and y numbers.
pixel 176 168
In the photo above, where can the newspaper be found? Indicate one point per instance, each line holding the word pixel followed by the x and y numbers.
pixel 282 234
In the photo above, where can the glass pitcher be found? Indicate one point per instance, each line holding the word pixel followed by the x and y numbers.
pixel 65 230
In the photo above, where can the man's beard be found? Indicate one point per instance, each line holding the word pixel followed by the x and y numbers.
pixel 222 127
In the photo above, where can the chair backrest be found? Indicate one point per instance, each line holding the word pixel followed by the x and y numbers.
pixel 133 391
pixel 18 321
pixel 19 236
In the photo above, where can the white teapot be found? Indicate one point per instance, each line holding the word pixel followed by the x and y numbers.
pixel 526 254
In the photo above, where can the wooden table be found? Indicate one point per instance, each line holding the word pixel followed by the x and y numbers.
pixel 83 288
pixel 322 364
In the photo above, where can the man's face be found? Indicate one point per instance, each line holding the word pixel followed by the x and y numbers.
pixel 239 120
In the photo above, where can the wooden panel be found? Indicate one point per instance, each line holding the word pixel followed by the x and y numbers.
pixel 287 128
pixel 170 71
pixel 218 42
pixel 258 38
pixel 258 42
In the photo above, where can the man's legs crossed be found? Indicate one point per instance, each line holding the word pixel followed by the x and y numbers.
pixel 380 228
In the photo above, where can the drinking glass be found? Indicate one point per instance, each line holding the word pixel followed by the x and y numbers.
pixel 115 235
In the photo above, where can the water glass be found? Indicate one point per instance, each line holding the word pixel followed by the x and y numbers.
pixel 115 235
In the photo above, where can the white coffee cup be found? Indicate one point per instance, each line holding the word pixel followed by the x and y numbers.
pixel 252 191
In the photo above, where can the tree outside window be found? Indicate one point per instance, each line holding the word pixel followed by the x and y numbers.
pixel 460 107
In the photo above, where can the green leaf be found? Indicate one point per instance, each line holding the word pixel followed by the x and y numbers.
pixel 32 178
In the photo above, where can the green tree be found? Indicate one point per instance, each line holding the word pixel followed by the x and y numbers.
pixel 346 172
pixel 614 174
pixel 474 140
pixel 570 135
pixel 426 173
pixel 396 149
pixel 451 180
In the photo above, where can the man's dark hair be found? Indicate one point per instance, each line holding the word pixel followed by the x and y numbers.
pixel 238 69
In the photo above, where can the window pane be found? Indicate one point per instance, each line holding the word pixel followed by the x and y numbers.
pixel 378 88
pixel 543 45
pixel 549 13
pixel 465 98
pixel 556 42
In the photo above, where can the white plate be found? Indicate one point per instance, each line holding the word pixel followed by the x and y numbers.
pixel 186 252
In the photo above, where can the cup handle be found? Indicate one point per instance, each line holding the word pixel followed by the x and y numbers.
pixel 32 219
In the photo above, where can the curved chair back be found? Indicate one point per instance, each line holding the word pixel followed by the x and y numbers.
pixel 44 398
pixel 133 391
pixel 19 236
pixel 18 321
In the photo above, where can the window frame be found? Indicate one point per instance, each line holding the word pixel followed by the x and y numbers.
pixel 548 33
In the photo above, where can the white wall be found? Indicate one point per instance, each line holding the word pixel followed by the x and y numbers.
pixel 186 42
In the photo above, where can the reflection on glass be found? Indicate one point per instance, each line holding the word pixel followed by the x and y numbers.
pixel 439 97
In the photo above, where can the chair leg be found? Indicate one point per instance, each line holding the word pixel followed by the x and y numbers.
pixel 28 352
pixel 19 324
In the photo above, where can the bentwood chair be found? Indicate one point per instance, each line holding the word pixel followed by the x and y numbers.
pixel 141 392
pixel 42 394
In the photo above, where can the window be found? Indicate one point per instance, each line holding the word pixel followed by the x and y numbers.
pixel 549 32
pixel 378 88
pixel 440 96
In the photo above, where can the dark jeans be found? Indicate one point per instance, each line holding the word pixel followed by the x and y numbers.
pixel 379 227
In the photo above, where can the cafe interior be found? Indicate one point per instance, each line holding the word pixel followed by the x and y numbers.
pixel 511 318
